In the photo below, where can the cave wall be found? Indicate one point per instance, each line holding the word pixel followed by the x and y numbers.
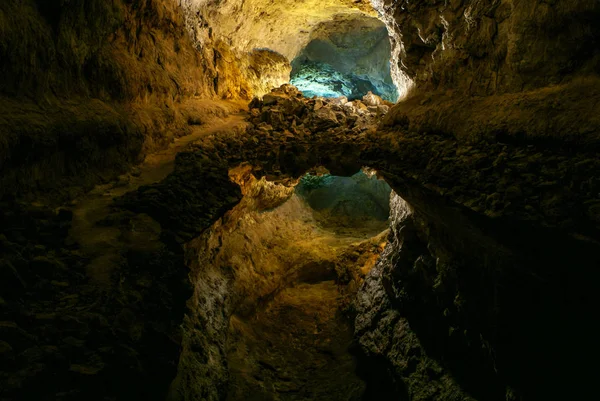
pixel 515 68
pixel 464 307
pixel 90 87
pixel 488 283
pixel 357 48
pixel 507 165
pixel 495 152
pixel 483 47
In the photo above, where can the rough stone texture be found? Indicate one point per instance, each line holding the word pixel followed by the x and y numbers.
pixel 496 46
pixel 89 87
pixel 499 268
pixel 385 335
pixel 496 256
pixel 481 68
pixel 65 337
pixel 357 48
pixel 282 26
pixel 72 335
pixel 502 127
pixel 494 285
pixel 264 70
pixel 247 265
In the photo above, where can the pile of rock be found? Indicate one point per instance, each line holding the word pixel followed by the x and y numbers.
pixel 286 109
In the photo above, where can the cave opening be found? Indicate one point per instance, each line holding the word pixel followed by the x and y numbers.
pixel 346 56
pixel 293 253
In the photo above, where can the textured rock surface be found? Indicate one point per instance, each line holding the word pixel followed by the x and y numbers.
pixel 384 333
pixel 89 87
pixel 259 273
pixel 496 46
pixel 489 289
pixel 470 253
pixel 69 337
pixel 486 68
pixel 92 296
pixel 489 259
pixel 356 47
pixel 265 69
pixel 282 26
pixel 462 259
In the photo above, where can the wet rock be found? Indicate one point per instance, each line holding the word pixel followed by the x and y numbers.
pixel 318 104
pixel 382 109
pixel 339 101
pixel 360 106
pixel 272 98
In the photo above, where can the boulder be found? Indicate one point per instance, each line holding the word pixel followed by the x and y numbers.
pixel 371 99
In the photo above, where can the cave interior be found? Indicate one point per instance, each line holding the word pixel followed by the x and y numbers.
pixel 299 200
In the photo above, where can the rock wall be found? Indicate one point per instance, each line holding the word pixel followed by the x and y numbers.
pixel 264 70
pixel 485 292
pixel 486 67
pixel 355 46
pixel 488 291
pixel 89 87
pixel 488 288
pixel 495 152
pixel 482 47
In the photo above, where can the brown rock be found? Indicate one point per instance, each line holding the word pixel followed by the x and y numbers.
pixel 370 99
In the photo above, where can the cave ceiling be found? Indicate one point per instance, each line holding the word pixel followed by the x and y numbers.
pixel 283 26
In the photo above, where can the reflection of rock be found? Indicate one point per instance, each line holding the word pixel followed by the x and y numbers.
pixel 354 201
pixel 259 272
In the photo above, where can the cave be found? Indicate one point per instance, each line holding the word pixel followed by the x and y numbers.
pixel 295 253
pixel 299 200
pixel 346 56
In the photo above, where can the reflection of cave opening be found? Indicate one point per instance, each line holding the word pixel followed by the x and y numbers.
pixel 346 56
pixel 298 255
pixel 352 205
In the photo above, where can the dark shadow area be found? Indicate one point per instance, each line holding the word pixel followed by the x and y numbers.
pixel 511 318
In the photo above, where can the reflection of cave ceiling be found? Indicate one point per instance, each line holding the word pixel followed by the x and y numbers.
pixel 284 26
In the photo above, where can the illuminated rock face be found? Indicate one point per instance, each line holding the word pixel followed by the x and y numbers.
pixel 346 56
pixel 282 26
